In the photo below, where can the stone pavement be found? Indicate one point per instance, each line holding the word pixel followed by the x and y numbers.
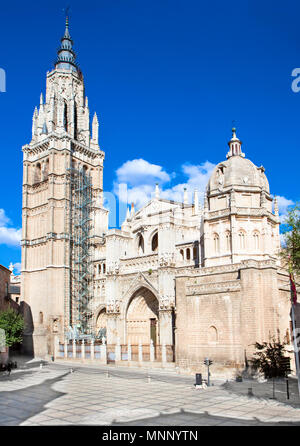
pixel 110 396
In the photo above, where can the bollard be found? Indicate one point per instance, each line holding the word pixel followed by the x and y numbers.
pixel 250 391
pixel 107 374
pixel 148 377
pixel 41 365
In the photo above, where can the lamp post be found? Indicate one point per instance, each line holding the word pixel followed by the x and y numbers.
pixel 208 362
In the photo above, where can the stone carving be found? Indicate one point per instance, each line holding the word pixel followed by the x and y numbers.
pixel 167 259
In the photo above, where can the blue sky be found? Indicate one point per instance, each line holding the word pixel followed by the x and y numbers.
pixel 167 78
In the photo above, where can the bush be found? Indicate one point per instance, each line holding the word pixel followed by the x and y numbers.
pixel 13 324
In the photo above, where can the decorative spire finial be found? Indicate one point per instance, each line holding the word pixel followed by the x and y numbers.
pixel 235 145
pixel 66 55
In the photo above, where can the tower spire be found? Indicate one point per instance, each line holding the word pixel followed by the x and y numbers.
pixel 65 54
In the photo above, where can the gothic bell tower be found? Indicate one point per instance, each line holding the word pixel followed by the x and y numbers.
pixel 63 218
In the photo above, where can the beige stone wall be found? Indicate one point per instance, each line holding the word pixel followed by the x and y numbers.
pixel 224 324
pixel 4 286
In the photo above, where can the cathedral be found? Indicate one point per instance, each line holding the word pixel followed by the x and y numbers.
pixel 177 283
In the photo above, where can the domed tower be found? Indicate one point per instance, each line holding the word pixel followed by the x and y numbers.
pixel 238 222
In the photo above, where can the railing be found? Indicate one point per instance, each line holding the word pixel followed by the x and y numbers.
pixel 142 263
pixel 114 353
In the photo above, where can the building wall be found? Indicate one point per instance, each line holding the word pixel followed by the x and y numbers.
pixel 4 287
pixel 223 311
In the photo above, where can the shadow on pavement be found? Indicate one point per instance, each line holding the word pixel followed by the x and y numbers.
pixel 185 418
pixel 27 402
pixel 263 391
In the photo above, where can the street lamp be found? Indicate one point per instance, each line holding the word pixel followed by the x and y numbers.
pixel 208 362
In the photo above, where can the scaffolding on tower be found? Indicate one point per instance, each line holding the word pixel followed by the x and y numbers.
pixel 81 250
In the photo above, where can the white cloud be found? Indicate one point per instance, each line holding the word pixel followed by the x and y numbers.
pixel 140 177
pixel 17 268
pixel 140 172
pixel 4 220
pixel 283 204
pixel 197 178
pixel 8 236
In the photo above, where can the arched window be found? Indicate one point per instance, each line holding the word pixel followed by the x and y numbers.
pixel 216 243
pixel 182 254
pixel 37 173
pixel 154 243
pixel 104 268
pixel 188 254
pixel 256 240
pixel 227 240
pixel 46 170
pixel 41 317
pixel 212 334
pixel 141 245
pixel 65 116
pixel 242 243
pixel 75 121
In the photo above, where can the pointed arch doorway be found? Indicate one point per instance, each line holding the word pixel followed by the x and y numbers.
pixel 142 318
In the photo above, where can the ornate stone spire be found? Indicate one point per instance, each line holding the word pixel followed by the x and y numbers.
pixel 132 210
pixel 276 210
pixel 235 145
pixel 196 201
pixel 65 54
pixel 156 190
pixel 95 129
pixel 185 196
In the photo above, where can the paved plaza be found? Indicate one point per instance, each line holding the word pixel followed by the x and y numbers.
pixel 108 396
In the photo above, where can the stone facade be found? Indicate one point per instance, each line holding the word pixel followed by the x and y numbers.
pixel 4 287
pixel 192 280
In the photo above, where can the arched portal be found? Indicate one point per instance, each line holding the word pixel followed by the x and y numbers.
pixel 142 318
pixel 101 323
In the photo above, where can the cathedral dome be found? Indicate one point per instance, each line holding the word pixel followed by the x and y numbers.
pixel 237 171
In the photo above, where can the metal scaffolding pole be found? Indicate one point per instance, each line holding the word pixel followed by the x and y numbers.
pixel 81 208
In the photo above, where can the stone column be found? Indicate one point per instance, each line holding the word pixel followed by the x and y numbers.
pixel 163 353
pixel 165 325
pixel 82 350
pixel 92 349
pixel 113 315
pixel 129 351
pixel 56 347
pixel 118 350
pixel 103 351
pixel 66 348
pixel 74 348
pixel 152 355
pixel 140 352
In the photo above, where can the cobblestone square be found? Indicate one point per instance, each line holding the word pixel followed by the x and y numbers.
pixel 53 395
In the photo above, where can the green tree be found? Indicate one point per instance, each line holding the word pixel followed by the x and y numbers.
pixel 270 359
pixel 290 252
pixel 13 324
